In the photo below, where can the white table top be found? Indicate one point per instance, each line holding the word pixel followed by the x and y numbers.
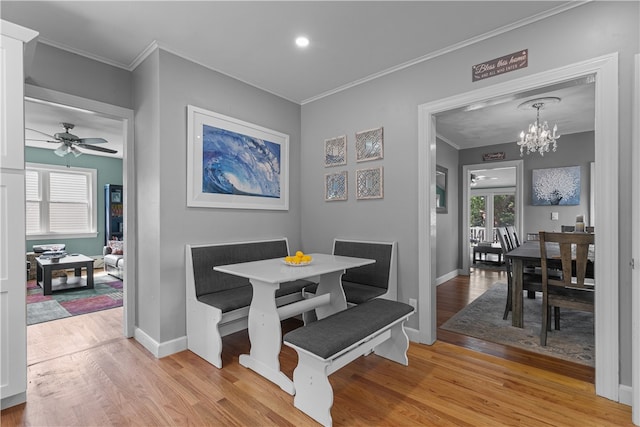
pixel 276 271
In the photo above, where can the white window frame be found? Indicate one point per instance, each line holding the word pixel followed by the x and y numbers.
pixel 92 175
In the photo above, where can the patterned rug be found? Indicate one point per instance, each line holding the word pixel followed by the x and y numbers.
pixel 575 341
pixel 107 293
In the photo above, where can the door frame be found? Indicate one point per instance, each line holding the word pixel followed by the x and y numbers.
pixel 128 179
pixel 466 177
pixel 635 250
pixel 605 70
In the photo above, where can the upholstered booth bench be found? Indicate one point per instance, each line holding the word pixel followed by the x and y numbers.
pixel 379 280
pixel 218 303
pixel 329 344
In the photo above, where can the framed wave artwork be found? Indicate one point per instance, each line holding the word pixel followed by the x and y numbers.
pixel 235 164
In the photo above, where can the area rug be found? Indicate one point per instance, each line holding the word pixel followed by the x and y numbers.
pixel 107 293
pixel 575 341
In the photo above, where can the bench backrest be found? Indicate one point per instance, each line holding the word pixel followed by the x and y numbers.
pixel 205 257
pixel 382 274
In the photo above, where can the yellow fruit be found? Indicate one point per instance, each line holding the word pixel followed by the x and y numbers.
pixel 299 254
pixel 306 258
pixel 288 258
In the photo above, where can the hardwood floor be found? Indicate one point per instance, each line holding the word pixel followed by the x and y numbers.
pixel 455 294
pixel 83 372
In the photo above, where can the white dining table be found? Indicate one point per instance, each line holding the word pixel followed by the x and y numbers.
pixel 265 331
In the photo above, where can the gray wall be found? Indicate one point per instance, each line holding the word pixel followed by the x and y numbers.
pixel 447 224
pixel 164 85
pixel 109 172
pixel 77 75
pixel 576 149
pixel 585 32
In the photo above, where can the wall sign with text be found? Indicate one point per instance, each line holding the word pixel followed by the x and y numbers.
pixel 504 64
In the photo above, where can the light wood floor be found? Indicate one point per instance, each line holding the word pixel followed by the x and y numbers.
pixel 83 372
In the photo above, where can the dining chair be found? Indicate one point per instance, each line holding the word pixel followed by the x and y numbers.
pixel 573 289
pixel 531 282
pixel 513 234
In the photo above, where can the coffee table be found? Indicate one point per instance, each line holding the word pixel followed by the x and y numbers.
pixel 75 261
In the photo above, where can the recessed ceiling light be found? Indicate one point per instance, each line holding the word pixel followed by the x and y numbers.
pixel 302 41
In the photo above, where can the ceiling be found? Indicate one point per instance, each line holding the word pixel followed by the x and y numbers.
pixel 351 42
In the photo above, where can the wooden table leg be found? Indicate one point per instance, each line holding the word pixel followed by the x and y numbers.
pixel 90 275
pixel 517 313
pixel 331 283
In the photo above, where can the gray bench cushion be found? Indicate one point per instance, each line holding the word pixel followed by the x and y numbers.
pixel 232 299
pixel 373 274
pixel 206 257
pixel 332 334
pixel 355 293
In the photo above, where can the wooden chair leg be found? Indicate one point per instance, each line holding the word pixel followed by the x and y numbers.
pixel 546 323
pixel 556 317
pixel 507 307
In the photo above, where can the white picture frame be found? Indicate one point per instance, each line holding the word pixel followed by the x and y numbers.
pixel 336 186
pixel 369 144
pixel 335 151
pixel 369 183
pixel 222 153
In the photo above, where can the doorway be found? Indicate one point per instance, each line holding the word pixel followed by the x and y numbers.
pixel 125 118
pixel 605 72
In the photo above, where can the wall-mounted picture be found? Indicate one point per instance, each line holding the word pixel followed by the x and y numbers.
pixel 335 151
pixel 335 186
pixel 369 145
pixel 556 186
pixel 235 164
pixel 441 189
pixel 369 183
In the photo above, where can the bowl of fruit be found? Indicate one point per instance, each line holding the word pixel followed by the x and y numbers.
pixel 300 259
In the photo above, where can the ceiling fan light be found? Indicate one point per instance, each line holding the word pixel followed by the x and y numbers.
pixel 76 152
pixel 61 151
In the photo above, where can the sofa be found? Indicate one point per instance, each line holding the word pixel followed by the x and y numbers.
pixel 113 256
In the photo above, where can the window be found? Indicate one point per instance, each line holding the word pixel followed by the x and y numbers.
pixel 61 202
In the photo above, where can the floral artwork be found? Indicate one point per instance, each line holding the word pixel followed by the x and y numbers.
pixel 556 186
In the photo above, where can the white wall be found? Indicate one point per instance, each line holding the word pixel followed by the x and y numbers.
pixel 586 32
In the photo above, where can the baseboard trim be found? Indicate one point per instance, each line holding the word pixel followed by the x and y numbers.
pixel 625 395
pixel 160 350
pixel 440 280
pixel 16 399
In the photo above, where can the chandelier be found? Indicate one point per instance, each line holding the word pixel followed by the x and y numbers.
pixel 539 137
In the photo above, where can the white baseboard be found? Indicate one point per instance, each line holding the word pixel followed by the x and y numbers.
pixel 160 350
pixel 413 334
pixel 440 280
pixel 625 395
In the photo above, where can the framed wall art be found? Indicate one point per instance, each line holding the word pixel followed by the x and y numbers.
pixel 369 183
pixel 335 151
pixel 235 164
pixel 556 186
pixel 335 186
pixel 441 189
pixel 369 145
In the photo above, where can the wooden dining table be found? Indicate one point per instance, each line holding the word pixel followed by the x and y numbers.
pixel 528 254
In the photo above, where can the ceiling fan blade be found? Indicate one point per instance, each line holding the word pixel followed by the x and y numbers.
pixel 96 148
pixel 41 140
pixel 91 141
pixel 41 133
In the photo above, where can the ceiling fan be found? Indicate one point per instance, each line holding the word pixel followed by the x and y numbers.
pixel 70 143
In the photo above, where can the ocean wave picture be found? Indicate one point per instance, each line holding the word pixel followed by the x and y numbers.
pixel 233 163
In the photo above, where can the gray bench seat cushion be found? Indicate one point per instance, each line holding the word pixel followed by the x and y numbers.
pixel 355 293
pixel 333 334
pixel 234 298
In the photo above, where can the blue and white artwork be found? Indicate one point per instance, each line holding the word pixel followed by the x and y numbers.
pixel 233 163
pixel 556 186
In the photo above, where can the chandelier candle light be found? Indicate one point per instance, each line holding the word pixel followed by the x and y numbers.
pixel 539 137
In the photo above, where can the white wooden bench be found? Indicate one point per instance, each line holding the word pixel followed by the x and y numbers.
pixel 329 344
pixel 218 303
